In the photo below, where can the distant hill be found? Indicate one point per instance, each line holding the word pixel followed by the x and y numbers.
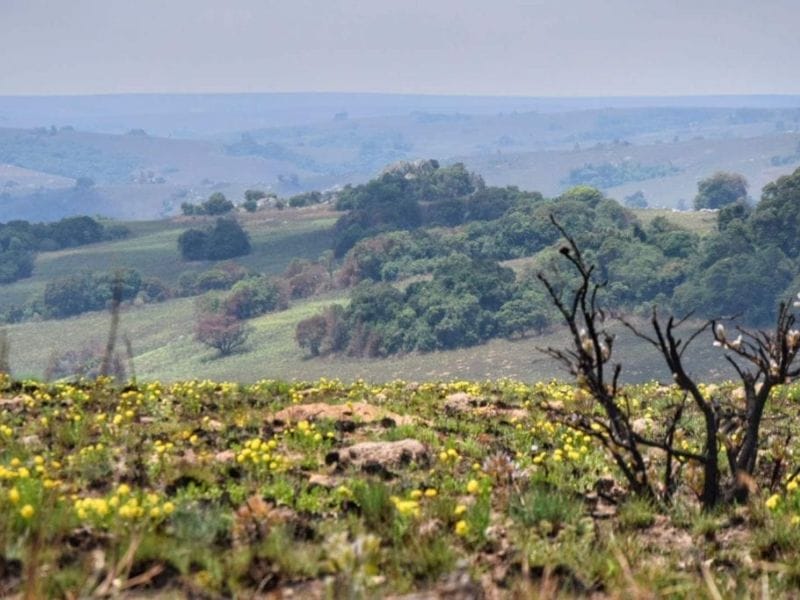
pixel 198 115
pixel 148 154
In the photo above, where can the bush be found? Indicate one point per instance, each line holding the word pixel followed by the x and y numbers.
pixel 226 239
pixel 305 278
pixel 155 290
pixel 224 333
pixel 87 290
pixel 254 296
pixel 306 199
pixel 217 204
pixel 323 333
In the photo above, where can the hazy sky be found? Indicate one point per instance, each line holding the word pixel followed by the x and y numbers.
pixel 534 47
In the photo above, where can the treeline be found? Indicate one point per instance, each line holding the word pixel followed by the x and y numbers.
pixel 746 267
pixel 249 294
pixel 606 175
pixel 466 302
pixel 412 195
pixel 20 241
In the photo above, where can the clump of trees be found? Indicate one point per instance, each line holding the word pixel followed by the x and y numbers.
pixel 255 296
pixel 606 175
pixel 221 321
pixel 216 204
pixel 20 241
pixel 225 239
pixel 86 291
pixel 719 190
pixel 466 302
pixel 752 262
pixel 251 199
pixel 397 199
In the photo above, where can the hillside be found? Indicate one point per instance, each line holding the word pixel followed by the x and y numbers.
pixel 329 490
pixel 162 334
pixel 663 148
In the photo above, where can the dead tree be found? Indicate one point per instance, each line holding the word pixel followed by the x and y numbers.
pixel 762 360
pixel 588 360
pixel 671 347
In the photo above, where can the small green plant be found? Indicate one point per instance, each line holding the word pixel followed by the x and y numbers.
pixel 544 505
pixel 636 513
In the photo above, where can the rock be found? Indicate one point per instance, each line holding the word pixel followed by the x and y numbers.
pixel 225 456
pixel 384 454
pixel 430 527
pixel 213 425
pixel 322 480
pixel 14 403
pixel 642 426
pixel 30 440
pixel 456 586
pixel 354 412
pixel 458 403
pixel 554 405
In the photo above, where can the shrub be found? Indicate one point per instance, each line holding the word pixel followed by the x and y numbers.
pixel 254 296
pixel 217 204
pixel 226 239
pixel 224 333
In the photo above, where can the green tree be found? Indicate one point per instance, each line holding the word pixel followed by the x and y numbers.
pixel 217 204
pixel 192 244
pixel 227 239
pixel 720 190
pixel 776 219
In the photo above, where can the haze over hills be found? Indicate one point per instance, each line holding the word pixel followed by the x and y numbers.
pixel 200 115
pixel 148 153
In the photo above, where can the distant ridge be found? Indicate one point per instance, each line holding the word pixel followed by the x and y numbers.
pixel 198 115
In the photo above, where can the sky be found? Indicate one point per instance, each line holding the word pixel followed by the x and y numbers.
pixel 476 47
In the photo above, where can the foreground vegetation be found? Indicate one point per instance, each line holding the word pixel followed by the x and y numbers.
pixel 207 489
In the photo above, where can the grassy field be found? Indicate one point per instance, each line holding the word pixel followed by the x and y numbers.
pixel 321 490
pixel 700 223
pixel 164 349
pixel 152 249
pixel 162 334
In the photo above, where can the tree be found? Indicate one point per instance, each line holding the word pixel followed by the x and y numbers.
pixel 720 190
pixel 730 435
pixel 224 333
pixel 776 219
pixel 217 204
pixel 310 333
pixel 636 200
pixel 226 239
pixel 192 244
pixel 254 195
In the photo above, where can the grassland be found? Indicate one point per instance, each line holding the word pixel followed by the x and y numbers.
pixel 152 249
pixel 329 490
pixel 164 349
pixel 162 334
